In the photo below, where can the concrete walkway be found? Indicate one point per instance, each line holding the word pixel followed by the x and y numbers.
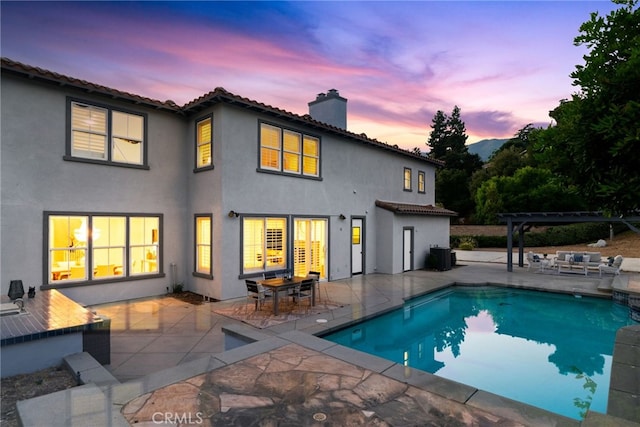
pixel 157 342
pixel 629 265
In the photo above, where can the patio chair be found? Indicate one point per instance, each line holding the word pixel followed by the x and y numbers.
pixel 614 268
pixel 256 293
pixel 304 291
pixel 270 275
pixel 316 278
pixel 534 260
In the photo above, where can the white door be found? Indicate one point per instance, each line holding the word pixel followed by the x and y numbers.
pixel 407 253
pixel 357 236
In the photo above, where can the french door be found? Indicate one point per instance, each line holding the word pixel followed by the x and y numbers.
pixel 309 246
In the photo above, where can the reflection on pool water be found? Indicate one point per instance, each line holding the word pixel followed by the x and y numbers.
pixel 549 350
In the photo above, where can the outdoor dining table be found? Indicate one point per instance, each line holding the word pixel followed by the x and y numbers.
pixel 279 284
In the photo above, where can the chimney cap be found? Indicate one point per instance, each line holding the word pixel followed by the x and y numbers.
pixel 331 94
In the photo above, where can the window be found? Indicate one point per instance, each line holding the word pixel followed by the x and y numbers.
pixel 263 244
pixel 98 133
pixel 269 147
pixel 204 139
pixel 421 188
pixel 203 257
pixel 311 156
pixel 97 247
pixel 288 151
pixel 291 152
pixel 407 179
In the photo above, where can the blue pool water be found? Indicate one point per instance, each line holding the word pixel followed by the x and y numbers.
pixel 549 350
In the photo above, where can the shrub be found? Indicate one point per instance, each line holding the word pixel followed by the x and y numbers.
pixel 553 236
pixel 467 243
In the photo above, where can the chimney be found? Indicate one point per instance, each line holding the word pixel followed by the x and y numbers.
pixel 330 108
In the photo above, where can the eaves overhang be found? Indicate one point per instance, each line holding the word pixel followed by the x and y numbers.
pixel 414 209
pixel 218 95
pixel 39 74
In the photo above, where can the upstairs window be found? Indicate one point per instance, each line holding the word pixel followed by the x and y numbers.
pixel 311 156
pixel 289 152
pixel 407 179
pixel 204 143
pixel 421 179
pixel 102 134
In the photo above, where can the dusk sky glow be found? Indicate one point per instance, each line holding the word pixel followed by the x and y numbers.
pixel 504 63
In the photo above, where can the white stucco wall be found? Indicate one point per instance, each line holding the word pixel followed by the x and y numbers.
pixel 35 179
pixel 353 177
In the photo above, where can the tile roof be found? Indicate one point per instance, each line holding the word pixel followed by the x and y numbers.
pixel 218 95
pixel 62 80
pixel 414 209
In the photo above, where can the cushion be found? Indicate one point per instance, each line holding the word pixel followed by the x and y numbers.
pixel 586 258
pixel 577 258
pixel 610 261
pixel 568 257
pixel 536 257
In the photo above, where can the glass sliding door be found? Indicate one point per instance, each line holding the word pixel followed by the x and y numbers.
pixel 310 246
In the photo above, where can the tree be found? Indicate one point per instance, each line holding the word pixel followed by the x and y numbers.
pixel 447 142
pixel 528 190
pixel 597 135
pixel 438 136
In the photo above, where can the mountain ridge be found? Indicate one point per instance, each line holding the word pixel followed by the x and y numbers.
pixel 485 148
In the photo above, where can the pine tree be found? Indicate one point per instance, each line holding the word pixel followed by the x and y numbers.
pixel 447 142
pixel 439 136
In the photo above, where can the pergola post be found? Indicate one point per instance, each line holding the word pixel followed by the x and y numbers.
pixel 509 244
pixel 521 245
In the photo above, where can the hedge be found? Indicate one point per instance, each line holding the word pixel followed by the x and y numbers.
pixel 553 236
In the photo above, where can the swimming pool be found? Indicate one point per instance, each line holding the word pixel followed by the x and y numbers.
pixel 549 350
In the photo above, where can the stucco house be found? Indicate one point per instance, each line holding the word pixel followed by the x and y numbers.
pixel 108 195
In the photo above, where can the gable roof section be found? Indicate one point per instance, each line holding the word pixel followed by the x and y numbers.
pixel 218 95
pixel 414 209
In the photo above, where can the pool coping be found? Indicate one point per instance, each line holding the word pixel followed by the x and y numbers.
pixel 103 404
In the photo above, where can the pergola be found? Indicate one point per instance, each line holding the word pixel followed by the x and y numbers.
pixel 523 221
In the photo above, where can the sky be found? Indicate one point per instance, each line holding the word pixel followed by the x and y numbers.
pixel 504 63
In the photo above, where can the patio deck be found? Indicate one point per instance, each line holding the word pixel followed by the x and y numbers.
pixel 163 342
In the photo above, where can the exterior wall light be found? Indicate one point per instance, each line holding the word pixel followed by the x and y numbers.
pixel 342 217
pixel 233 214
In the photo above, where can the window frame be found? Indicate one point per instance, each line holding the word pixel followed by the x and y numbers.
pixel 422 182
pixel 196 245
pixel 252 272
pixel 301 154
pixel 197 144
pixel 110 109
pixel 127 274
pixel 407 182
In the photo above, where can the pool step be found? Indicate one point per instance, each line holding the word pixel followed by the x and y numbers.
pixel 89 370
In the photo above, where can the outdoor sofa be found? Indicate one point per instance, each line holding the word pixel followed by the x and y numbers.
pixel 581 262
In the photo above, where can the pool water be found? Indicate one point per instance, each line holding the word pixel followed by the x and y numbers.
pixel 549 350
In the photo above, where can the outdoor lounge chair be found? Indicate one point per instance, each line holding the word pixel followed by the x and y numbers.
pixel 534 260
pixel 256 293
pixel 614 268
